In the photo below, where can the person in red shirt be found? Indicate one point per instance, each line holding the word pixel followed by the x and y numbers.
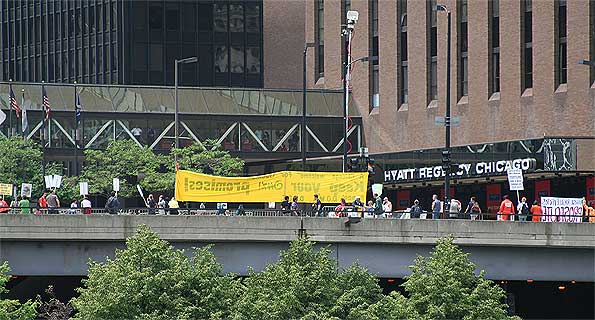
pixel 506 209
pixel 3 205
pixel 42 203
pixel 536 212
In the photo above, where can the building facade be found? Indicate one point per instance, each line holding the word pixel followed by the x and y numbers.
pixel 137 42
pixel 514 68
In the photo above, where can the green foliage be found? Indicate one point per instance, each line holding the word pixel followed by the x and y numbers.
pixel 21 163
pixel 444 286
pixel 306 285
pixel 213 160
pixel 152 280
pixel 13 309
pixel 124 159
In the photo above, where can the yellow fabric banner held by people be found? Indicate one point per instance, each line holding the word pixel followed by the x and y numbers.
pixel 330 187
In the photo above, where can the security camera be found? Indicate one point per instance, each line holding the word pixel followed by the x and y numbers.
pixel 352 17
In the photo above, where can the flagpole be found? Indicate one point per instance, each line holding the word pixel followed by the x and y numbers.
pixel 76 127
pixel 10 109
pixel 42 130
pixel 23 113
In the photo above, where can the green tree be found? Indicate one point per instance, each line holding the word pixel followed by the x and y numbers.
pixel 152 280
pixel 210 160
pixel 21 163
pixel 132 164
pixel 13 309
pixel 444 286
pixel 305 284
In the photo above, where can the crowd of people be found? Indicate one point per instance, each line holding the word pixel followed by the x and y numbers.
pixel 378 207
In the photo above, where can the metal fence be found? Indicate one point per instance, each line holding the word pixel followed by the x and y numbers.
pixel 325 213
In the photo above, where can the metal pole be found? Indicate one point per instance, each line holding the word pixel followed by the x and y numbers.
pixel 42 135
pixel 304 109
pixel 76 126
pixel 176 113
pixel 346 80
pixel 10 110
pixel 447 124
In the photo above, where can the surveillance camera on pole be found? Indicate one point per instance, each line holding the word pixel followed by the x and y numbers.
pixel 347 32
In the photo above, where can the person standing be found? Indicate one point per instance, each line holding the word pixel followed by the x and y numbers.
pixel 42 203
pixel 53 202
pixel 436 207
pixel 506 211
pixel 73 206
pixel 285 205
pixel 151 204
pixel 173 205
pixel 161 204
pixel 387 207
pixel 536 212
pixel 473 209
pixel 86 205
pixel 25 206
pixel 113 203
pixel 416 210
pixel 378 211
pixel 294 206
pixel 3 205
pixel 316 206
pixel 455 208
pixel 340 209
pixel 14 204
pixel 523 210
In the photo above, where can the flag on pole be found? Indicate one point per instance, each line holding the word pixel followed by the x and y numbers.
pixel 46 103
pixel 24 122
pixel 77 109
pixel 13 103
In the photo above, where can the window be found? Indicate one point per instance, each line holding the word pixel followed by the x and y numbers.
pixel 561 67
pixel 527 45
pixel 155 15
pixel 494 67
pixel 432 46
pixel 463 42
pixel 402 34
pixel 319 25
pixel 373 52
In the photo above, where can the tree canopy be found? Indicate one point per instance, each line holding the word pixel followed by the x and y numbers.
pixel 13 309
pixel 210 159
pixel 152 280
pixel 21 163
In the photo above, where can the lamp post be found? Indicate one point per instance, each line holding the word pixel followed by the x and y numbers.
pixel 446 152
pixel 304 109
pixel 176 128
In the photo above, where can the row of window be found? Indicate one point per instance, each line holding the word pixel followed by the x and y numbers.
pixel 462 47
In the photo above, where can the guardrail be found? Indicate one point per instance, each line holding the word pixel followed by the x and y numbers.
pixel 325 213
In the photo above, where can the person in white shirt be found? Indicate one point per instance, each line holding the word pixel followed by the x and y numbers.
pixel 455 208
pixel 387 206
pixel 86 205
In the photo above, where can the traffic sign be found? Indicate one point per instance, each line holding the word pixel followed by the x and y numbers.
pixel 441 121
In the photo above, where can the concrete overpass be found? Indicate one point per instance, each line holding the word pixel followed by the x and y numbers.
pixel 54 245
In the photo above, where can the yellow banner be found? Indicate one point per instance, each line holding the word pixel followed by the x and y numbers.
pixel 5 189
pixel 330 187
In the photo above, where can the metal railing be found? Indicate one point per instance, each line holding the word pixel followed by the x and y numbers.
pixel 325 213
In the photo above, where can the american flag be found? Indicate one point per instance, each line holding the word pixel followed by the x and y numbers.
pixel 46 103
pixel 13 103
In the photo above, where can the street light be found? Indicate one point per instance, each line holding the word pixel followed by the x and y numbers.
pixel 587 62
pixel 304 109
pixel 446 153
pixel 177 142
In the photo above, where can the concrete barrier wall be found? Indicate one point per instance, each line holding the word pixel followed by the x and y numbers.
pixel 283 229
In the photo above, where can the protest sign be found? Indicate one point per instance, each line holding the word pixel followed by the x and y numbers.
pixel 330 187
pixel 562 209
pixel 5 189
